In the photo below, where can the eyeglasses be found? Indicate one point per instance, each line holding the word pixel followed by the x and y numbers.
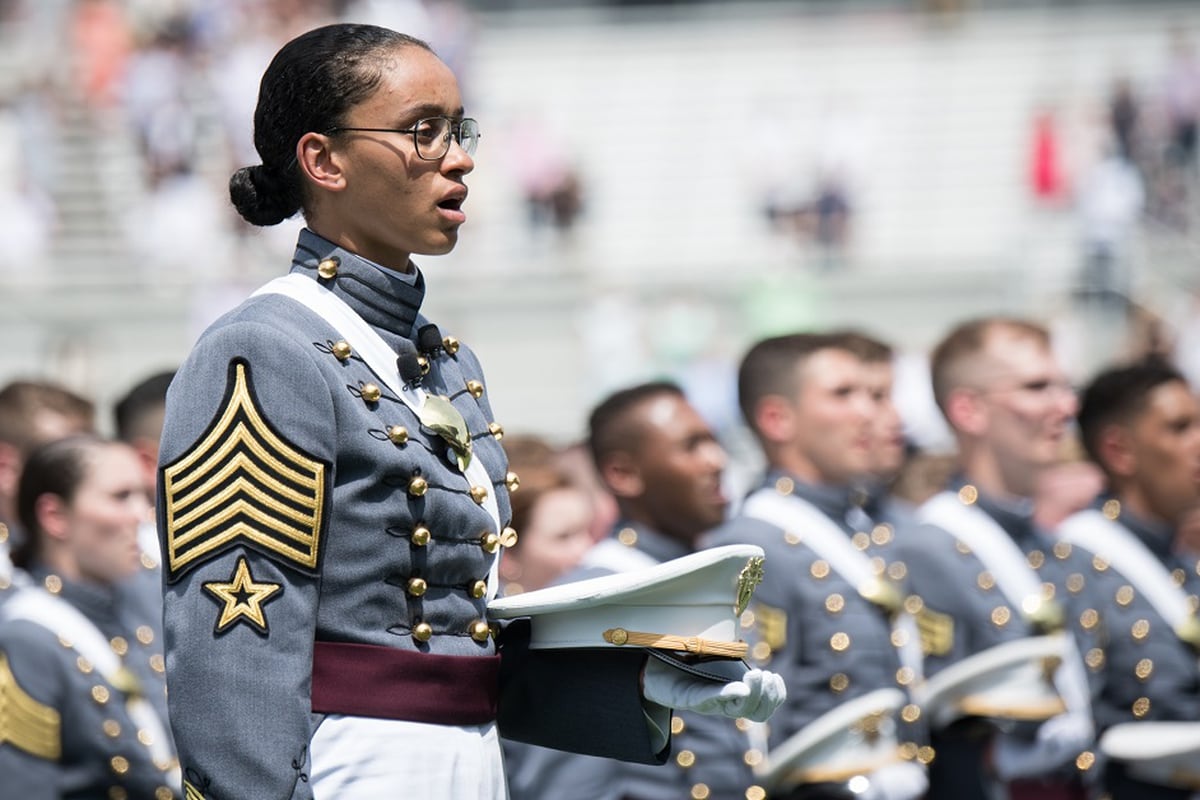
pixel 431 135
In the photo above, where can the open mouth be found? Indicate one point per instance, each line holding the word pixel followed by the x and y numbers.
pixel 451 204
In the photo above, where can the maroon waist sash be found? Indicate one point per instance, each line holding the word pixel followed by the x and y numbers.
pixel 365 680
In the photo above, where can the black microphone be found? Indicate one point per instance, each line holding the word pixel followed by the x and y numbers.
pixel 409 363
pixel 429 339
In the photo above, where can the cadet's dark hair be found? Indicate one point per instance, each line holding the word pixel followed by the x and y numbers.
pixel 772 367
pixel 608 427
pixel 308 87
pixel 57 468
pixel 21 403
pixel 132 412
pixel 865 347
pixel 1116 396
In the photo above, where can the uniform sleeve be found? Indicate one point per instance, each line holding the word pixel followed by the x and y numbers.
pixel 246 470
pixel 581 701
pixel 32 689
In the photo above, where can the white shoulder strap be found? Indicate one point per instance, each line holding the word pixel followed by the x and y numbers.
pixel 1126 554
pixel 369 345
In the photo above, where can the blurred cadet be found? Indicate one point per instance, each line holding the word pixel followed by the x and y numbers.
pixel 333 494
pixel 888 448
pixel 662 463
pixel 138 421
pixel 992 584
pixel 553 515
pixel 31 413
pixel 829 612
pixel 1141 424
pixel 82 695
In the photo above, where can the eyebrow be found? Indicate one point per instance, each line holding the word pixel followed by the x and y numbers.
pixel 431 110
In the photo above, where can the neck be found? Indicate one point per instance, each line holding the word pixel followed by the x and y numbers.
pixel 61 563
pixel 1134 500
pixel 797 465
pixel 986 472
pixel 635 513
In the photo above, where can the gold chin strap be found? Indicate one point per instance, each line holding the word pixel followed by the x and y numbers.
pixel 687 644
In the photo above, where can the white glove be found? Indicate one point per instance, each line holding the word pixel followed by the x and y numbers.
pixel 754 697
pixel 1059 741
pixel 902 781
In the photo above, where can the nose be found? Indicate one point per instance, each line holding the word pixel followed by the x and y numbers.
pixel 457 160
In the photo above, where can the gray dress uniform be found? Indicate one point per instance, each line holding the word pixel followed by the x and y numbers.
pixel 1146 671
pixel 323 553
pixel 965 612
pixel 713 757
pixel 65 728
pixel 829 642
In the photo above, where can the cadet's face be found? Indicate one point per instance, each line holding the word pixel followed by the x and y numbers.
pixel 556 536
pixel 1029 402
pixel 887 431
pixel 394 203
pixel 834 409
pixel 103 517
pixel 681 464
pixel 1165 441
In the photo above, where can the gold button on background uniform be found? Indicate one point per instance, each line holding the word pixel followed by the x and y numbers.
pixel 145 634
pixel 1144 669
pixel 785 485
pixel 100 694
pixel 111 728
pixel 1141 707
pixel 677 725
pixel 1124 595
pixel 685 758
pixel 1000 616
pixel 119 764
pixel 834 603
pixel 700 792
pixel 839 682
pixel 839 642
pixel 1035 559
pixel 819 569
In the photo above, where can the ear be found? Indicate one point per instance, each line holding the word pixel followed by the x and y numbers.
pixel 1115 449
pixel 775 419
pixel 51 514
pixel 10 470
pixel 966 413
pixel 319 162
pixel 622 476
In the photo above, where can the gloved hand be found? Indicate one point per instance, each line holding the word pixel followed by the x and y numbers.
pixel 901 781
pixel 754 697
pixel 1059 741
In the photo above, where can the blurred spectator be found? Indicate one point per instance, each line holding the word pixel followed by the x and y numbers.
pixel 31 414
pixel 1110 202
pixel 1182 94
pixel 552 517
pixel 1123 116
pixel 550 185
pixel 156 101
pixel 1046 174
pixel 101 41
pixel 26 207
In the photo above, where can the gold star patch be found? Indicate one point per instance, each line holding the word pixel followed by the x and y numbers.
pixel 243 599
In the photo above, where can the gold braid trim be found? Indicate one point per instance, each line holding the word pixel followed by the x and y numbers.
pixel 688 644
pixel 30 726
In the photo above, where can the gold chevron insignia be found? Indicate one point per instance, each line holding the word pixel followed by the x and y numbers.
pixel 243 483
pixel 191 792
pixel 243 598
pixel 937 632
pixel 772 625
pixel 24 722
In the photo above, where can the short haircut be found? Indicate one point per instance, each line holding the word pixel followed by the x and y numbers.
pixel 965 343
pixel 771 367
pixel 133 412
pixel 867 348
pixel 1116 396
pixel 609 426
pixel 22 401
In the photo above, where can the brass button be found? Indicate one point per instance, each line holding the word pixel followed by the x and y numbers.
pixel 371 392
pixel 753 757
pixel 677 725
pixel 119 645
pixel 84 665
pixel 1094 658
pixel 1075 583
pixel 925 754
pixel 1111 509
pixel 905 675
pixel 910 713
pixel 742 724
pixel 479 494
pixel 478 589
pixel 1124 595
pixel 761 652
pixel 913 604
pixel 417 586
pixel 897 570
pixel 422 631
pixel 341 350
pixel 792 538
pixel 1099 564
pixel 618 636
pixel 451 345
pixel 490 542
pixel 1144 669
pixel 145 737
pixel 627 537
pixel 1035 559
pixel 418 486
pixel 3 533
pixel 328 268
pixel 899 637
pixel 1062 550
pixel 53 584
pixel 785 485
pixel 163 793
pixel 985 581
pixel 839 642
pixel 1141 707
pixel 1085 761
pixel 834 603
pixel 119 764
pixel 968 495
pixel 475 388
pixel 480 630
pixel 861 540
pixel 112 728
pixel 685 758
pixel 420 536
pixel 508 537
pixel 157 664
pixel 881 534
pixel 1140 629
pixel 819 568
pixel 1089 619
pixel 117 793
pixel 495 429
pixel 1000 616
pixel 701 792
pixel 397 434
pixel 145 634
pixel 756 793
pixel 513 481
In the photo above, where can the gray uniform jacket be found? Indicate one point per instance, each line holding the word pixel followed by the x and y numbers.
pixel 65 731
pixel 300 501
pixel 713 755
pixel 1145 671
pixel 815 629
pixel 965 611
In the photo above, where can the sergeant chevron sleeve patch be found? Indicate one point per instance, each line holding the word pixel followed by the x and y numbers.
pixel 24 722
pixel 243 483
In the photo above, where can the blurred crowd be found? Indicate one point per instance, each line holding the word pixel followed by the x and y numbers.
pixel 652 481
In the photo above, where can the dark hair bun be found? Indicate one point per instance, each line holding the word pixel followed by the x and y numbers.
pixel 261 196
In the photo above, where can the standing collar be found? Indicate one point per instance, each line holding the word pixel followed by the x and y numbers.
pixel 1156 535
pixel 383 297
pixel 96 602
pixel 836 502
pixel 1013 514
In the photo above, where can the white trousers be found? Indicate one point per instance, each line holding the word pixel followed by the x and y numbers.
pixel 358 758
